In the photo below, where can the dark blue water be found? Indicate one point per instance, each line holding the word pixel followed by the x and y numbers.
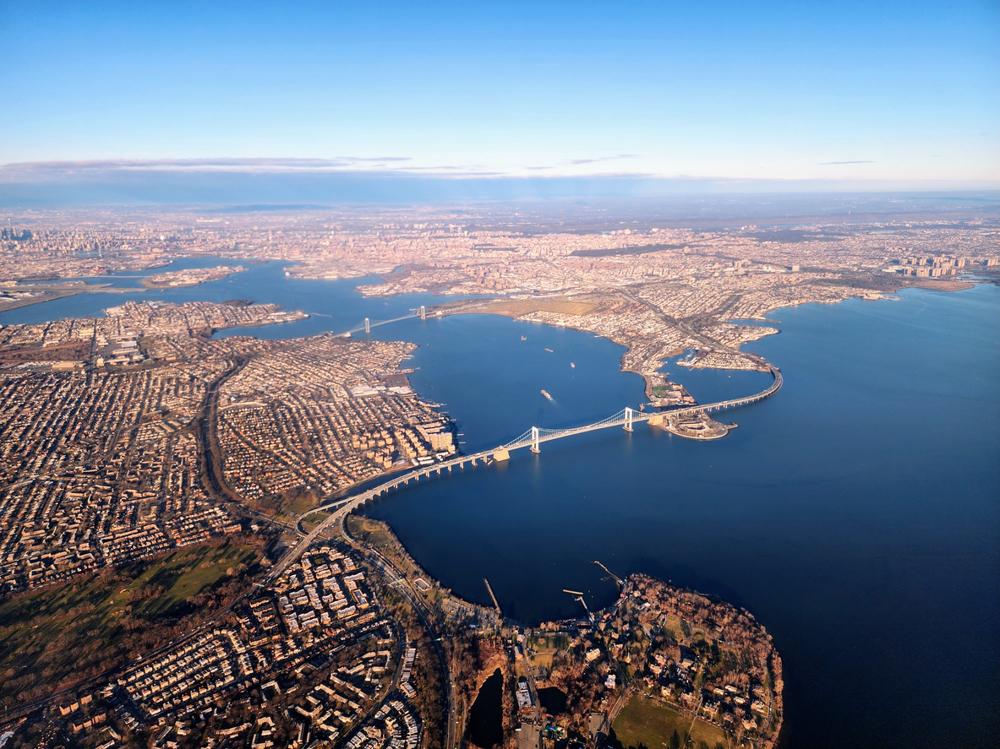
pixel 857 514
pixel 711 385
pixel 485 727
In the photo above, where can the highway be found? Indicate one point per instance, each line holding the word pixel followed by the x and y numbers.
pixel 340 507
pixel 396 577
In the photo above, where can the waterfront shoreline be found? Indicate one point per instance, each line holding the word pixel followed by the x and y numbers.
pixel 361 529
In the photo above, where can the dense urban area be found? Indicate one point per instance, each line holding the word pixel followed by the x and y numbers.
pixel 158 584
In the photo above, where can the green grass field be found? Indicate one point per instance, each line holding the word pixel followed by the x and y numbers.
pixel 59 635
pixel 183 575
pixel 650 723
pixel 545 646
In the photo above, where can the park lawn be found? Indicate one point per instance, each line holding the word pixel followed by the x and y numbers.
pixel 59 635
pixel 543 658
pixel 298 504
pixel 187 572
pixel 652 723
pixel 674 625
pixel 545 647
pixel 519 307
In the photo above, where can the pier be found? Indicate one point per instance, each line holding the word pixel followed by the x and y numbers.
pixel 612 575
pixel 578 597
pixel 496 604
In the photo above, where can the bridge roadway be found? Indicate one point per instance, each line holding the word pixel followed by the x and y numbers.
pixel 341 507
pixel 438 312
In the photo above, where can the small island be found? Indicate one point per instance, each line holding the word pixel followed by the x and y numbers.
pixel 190 276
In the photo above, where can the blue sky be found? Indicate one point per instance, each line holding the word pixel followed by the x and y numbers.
pixel 893 91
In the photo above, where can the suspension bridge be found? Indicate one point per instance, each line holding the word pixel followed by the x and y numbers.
pixel 532 439
pixel 422 313
pixel 628 417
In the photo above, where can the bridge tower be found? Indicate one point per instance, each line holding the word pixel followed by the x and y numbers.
pixel 628 419
pixel 423 312
pixel 534 441
pixel 368 326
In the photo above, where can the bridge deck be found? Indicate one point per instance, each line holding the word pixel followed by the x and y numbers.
pixel 343 506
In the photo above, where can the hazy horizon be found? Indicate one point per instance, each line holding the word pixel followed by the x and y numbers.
pixel 103 185
pixel 446 101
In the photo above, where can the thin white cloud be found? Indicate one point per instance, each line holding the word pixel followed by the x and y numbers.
pixel 222 164
pixel 599 159
pixel 34 171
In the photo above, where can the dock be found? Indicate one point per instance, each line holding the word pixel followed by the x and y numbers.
pixel 489 589
pixel 618 581
pixel 578 596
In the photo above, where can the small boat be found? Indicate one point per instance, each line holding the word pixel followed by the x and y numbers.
pixel 524 338
pixel 547 395
pixel 572 365
pixel 549 350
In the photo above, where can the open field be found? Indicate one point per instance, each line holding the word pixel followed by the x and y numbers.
pixel 652 724
pixel 518 307
pixel 60 635
pixel 940 284
pixel 290 506
pixel 544 648
pixel 76 351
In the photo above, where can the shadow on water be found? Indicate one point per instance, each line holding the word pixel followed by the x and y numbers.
pixel 552 700
pixel 485 727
